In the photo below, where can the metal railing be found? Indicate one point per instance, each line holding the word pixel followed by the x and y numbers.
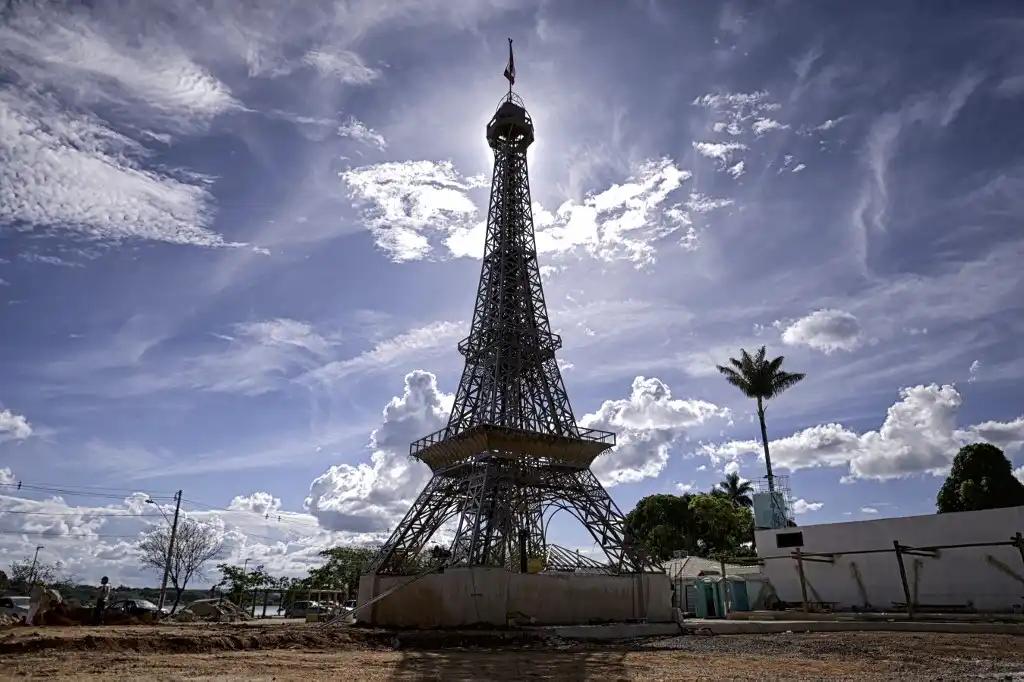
pixel 591 435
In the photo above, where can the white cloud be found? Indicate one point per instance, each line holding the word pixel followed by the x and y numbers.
pixel 764 125
pixel 1019 473
pixel 359 131
pixel 830 123
pixel 802 506
pixel 373 496
pixel 731 467
pixel 869 510
pixel 799 167
pixel 702 203
pixel 721 151
pixel 919 435
pixel 343 65
pixel 260 502
pixel 413 207
pixel 737 169
pixel 414 344
pixel 826 330
pixel 406 200
pixel 973 371
pixel 646 424
pixel 7 476
pixel 85 59
pixel 683 488
pixel 285 332
pixel 737 110
pixel 13 426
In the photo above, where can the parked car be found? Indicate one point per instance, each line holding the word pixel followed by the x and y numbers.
pixel 300 609
pixel 14 606
pixel 136 607
pixel 350 605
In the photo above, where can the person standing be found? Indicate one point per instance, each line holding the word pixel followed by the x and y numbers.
pixel 102 597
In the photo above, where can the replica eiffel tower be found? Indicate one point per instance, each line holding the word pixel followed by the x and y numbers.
pixel 512 453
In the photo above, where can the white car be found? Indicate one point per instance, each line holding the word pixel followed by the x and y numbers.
pixel 14 606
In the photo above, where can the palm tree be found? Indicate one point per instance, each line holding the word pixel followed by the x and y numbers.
pixel 761 379
pixel 735 490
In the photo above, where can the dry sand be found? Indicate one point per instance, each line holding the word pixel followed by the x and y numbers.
pixel 310 652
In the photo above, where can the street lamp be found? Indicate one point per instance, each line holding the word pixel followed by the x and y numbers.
pixel 170 544
pixel 32 572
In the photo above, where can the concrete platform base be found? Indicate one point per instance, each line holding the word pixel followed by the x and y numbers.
pixel 752 627
pixel 493 596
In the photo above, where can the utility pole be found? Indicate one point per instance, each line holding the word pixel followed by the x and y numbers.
pixel 32 572
pixel 170 549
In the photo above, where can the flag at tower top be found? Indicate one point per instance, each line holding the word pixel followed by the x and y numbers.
pixel 510 70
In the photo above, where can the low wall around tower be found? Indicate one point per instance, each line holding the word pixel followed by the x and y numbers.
pixel 493 596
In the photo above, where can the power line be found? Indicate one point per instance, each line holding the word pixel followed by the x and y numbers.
pixel 55 536
pixel 83 513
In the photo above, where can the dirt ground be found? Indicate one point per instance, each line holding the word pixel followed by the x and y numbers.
pixel 310 652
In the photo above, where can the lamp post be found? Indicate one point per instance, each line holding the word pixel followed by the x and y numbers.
pixel 32 571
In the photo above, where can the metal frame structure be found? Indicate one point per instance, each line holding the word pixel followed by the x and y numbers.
pixel 511 451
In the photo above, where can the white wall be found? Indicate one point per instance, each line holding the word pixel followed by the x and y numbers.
pixel 957 576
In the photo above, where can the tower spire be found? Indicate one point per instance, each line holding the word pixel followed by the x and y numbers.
pixel 510 68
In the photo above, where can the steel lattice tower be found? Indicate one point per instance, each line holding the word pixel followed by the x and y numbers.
pixel 512 451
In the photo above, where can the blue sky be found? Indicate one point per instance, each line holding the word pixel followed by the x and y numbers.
pixel 240 243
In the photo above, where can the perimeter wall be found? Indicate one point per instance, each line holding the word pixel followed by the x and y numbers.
pixel 494 596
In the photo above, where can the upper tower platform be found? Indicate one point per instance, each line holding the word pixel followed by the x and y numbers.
pixel 511 125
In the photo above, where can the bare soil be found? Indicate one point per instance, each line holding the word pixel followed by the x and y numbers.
pixel 311 652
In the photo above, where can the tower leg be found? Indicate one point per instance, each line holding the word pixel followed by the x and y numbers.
pixel 433 507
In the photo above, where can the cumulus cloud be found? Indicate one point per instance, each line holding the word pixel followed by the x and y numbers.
pixel 919 435
pixel 405 200
pixel 413 208
pixel 343 65
pixel 360 132
pixel 737 169
pixel 826 330
pixel 646 424
pixel 1019 473
pixel 260 502
pixel 802 506
pixel 7 476
pixel 373 496
pixel 13 426
pixel 869 510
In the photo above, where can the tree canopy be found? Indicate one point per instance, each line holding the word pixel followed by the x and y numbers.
pixel 195 544
pixel 981 478
pixel 735 490
pixel 702 524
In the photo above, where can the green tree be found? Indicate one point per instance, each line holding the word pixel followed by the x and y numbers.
pixel 240 582
pixel 662 524
pixel 47 574
pixel 736 491
pixel 702 524
pixel 761 379
pixel 981 478
pixel 721 527
pixel 342 570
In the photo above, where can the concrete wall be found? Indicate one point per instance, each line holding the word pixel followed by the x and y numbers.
pixel 493 596
pixel 957 576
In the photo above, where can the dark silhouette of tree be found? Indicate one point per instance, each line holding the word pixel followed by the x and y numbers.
pixel 697 524
pixel 736 491
pixel 981 478
pixel 194 545
pixel 761 379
